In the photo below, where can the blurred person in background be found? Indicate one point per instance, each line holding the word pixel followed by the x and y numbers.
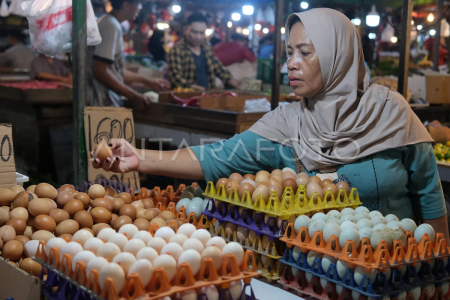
pixel 18 55
pixel 156 46
pixel 266 47
pixel 51 69
pixel 234 51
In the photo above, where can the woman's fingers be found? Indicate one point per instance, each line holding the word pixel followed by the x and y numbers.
pixel 107 164
pixel 96 163
pixel 114 144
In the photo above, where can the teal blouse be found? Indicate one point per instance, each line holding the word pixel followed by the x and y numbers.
pixel 402 181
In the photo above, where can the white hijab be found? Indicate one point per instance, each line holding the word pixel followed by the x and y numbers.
pixel 347 120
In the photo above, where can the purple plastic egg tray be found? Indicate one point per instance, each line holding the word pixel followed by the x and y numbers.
pixel 230 213
pixel 381 286
pixel 119 187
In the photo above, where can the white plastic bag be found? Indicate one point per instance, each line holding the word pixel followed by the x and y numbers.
pixel 50 23
pixel 4 9
pixel 257 105
pixel 15 8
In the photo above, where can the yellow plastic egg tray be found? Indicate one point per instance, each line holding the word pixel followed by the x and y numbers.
pixel 290 204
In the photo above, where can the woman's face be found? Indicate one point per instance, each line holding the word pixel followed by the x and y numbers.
pixel 303 63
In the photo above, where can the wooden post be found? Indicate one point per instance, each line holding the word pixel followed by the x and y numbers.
pixel 404 47
pixel 276 76
pixel 437 36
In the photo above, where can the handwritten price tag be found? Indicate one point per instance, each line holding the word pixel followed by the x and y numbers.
pixel 251 85
pixel 7 163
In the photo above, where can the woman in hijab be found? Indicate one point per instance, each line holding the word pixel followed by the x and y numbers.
pixel 366 135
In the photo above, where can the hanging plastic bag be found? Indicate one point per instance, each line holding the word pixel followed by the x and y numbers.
pixel 50 23
pixel 15 8
pixel 4 9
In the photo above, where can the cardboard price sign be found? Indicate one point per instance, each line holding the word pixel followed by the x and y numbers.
pixel 7 163
pixel 104 123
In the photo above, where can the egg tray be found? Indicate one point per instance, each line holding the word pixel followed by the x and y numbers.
pixel 271 270
pixel 380 287
pixel 290 204
pixel 225 214
pixel 159 285
pixel 382 257
pixel 119 187
pixel 299 284
pixel 272 249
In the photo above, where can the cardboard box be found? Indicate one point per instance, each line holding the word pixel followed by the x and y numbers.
pixel 104 123
pixel 7 163
pixel 438 87
pixel 150 72
pixel 17 284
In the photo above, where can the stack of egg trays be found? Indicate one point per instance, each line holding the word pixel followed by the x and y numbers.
pixel 70 283
pixel 290 204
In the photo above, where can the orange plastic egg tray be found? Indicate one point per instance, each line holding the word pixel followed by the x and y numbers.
pixel 364 256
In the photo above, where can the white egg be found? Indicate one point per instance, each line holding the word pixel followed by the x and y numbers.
pixel 133 246
pixel 365 232
pixel 172 249
pixel 361 216
pixel 335 221
pixel 30 248
pixel 194 207
pixel 347 235
pixel 348 217
pixel 187 295
pixel 165 233
pixel 391 217
pixel 157 243
pixel 330 229
pixel 339 289
pixel 374 214
pixel 301 221
pixel 396 224
pixel 317 225
pixel 319 216
pixel 378 220
pixel 205 204
pixel 248 180
pixel 287 169
pixel 143 235
pixel 168 263
pixel 202 235
pixel 355 295
pixel 364 223
pixel 193 258
pixel 380 227
pixel 215 254
pixel 334 214
pixel 326 262
pixel 431 289
pixel 296 253
pixel 294 271
pixel 348 211
pixel 348 224
pixel 409 225
pixel 97 263
pixel 210 292
pixel 378 236
pixel 183 202
pixel 147 253
pixel 416 291
pixel 105 233
pixel 323 282
pixel 178 238
pixel 309 277
pixel 125 260
pixel 108 251
pixel 81 236
pixel 445 287
pixel 187 229
pixel 341 267
pixel 362 209
pixel 422 229
pixel 311 258
pixel 144 269
pixel 129 230
pixel 235 289
pixel 84 256
pixel 93 244
pixel 194 244
pixel 119 239
pixel 114 272
pixel 359 274
pixel 216 241
pixel 71 248
pixel 56 242
pixel 235 249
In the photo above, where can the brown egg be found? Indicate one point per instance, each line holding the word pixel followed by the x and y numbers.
pixel 276 172
pixel 21 238
pixel 274 181
pixel 38 207
pixel 89 229
pixel 168 215
pixel 276 189
pixel 99 228
pixel 288 174
pixel 142 224
pixel 342 185
pixel 122 220
pixel 30 221
pixel 161 217
pixel 265 241
pixel 84 198
pixel 66 187
pixel 158 221
pixel 302 180
pixel 331 187
pixel 59 215
pixel 30 266
pixel 314 187
pixel 290 182
pixel 125 197
pixel 278 178
pixel 117 204
pixel 6 196
pixel 263 172
pixel 42 235
pixel 236 177
pixel 231 186
pixel 128 210
pixel 19 225
pixel 262 178
pixel 102 202
pixel 148 203
pixel 246 187
pixel 34 195
pixel 7 233
pixel 67 237
pixel 262 183
pixel 114 218
pixel 249 176
pixel 45 190
pixel 315 179
pixel 154 212
pixel 4 217
pixel 102 151
pixel 325 182
pixel 51 203
pixel 142 213
pixel 74 206
pixel 101 215
pixel 137 204
pixel 63 198
pixel 96 191
pixel 6 208
pixel 13 263
pixel 229 229
pixel 17 189
pixel 261 190
pixel 67 226
pixel 84 219
pixel 109 191
pixel 21 200
pixel 251 237
pixel 221 181
pixel 31 188
pixel 28 232
pixel 12 250
pixel 186 194
pixel 97 225
pixel 19 212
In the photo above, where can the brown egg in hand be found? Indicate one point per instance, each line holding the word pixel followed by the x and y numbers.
pixel 102 151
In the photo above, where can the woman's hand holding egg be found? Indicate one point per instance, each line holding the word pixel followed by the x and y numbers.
pixel 124 158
